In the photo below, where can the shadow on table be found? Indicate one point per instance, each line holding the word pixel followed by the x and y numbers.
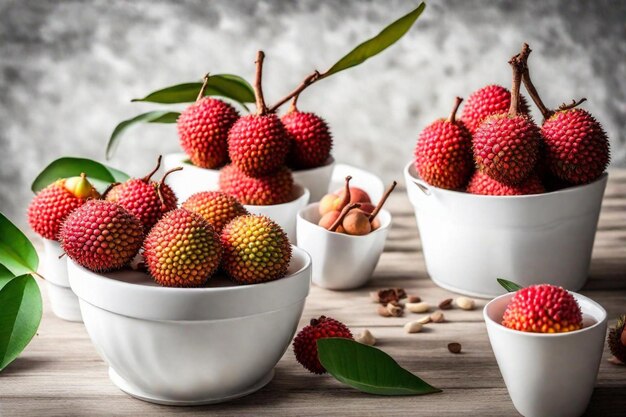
pixel 22 364
pixel 608 402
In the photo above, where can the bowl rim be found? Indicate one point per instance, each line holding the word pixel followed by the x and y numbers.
pixel 383 227
pixel 570 189
pixel 303 194
pixel 500 327
pixel 327 164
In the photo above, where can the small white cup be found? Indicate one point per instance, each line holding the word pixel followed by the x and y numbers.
pixel 548 375
pixel 63 301
pixel 340 261
pixel 191 179
pixel 317 179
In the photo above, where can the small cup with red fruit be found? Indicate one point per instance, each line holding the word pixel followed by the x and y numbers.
pixel 548 343
pixel 345 234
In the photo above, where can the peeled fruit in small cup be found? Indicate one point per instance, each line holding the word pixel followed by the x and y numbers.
pixel 336 202
pixel 305 343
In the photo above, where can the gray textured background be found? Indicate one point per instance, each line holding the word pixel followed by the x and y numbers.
pixel 69 68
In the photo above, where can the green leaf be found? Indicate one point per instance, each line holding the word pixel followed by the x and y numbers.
pixel 224 85
pixel 5 276
pixel 20 316
pixel 510 286
pixel 71 167
pixel 368 369
pixel 390 35
pixel 161 116
pixel 17 254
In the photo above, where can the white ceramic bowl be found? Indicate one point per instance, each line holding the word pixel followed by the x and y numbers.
pixel 53 268
pixel 340 261
pixel 361 178
pixel 191 179
pixel 187 346
pixel 316 179
pixel 470 240
pixel 548 375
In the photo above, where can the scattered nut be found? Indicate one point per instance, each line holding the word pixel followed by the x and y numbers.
pixel 413 299
pixel 424 320
pixel 446 304
pixel 421 307
pixel 382 310
pixel 437 317
pixel 367 338
pixel 395 311
pixel 465 303
pixel 454 347
pixel 388 295
pixel 413 327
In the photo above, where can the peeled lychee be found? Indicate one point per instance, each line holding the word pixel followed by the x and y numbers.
pixel 203 130
pixel 485 185
pixel 305 343
pixel 101 235
pixel 256 249
pixel 216 207
pixel 50 207
pixel 488 101
pixel 275 188
pixel 443 155
pixel 310 139
pixel 543 309
pixel 182 250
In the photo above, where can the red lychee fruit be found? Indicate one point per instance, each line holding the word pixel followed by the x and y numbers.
pixel 488 101
pixel 443 155
pixel 310 139
pixel 276 188
pixel 146 199
pixel 305 343
pixel 256 249
pixel 485 185
pixel 617 339
pixel 506 145
pixel 101 236
pixel 203 130
pixel 51 206
pixel 216 207
pixel 182 250
pixel 543 309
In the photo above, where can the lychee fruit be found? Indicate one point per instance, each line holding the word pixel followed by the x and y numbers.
pixel 101 235
pixel 182 250
pixel 485 185
pixel 543 309
pixel 256 249
pixel 275 188
pixel 146 199
pixel 258 143
pixel 310 139
pixel 506 145
pixel 305 343
pixel 443 154
pixel 203 130
pixel 49 208
pixel 336 201
pixel 488 101
pixel 216 207
pixel 617 339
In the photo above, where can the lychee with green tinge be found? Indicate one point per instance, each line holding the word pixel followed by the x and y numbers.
pixel 216 207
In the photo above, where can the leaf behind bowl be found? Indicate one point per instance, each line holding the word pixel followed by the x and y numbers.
pixel 510 286
pixel 17 253
pixel 72 167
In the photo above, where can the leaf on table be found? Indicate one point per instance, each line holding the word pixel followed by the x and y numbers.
pixel 510 286
pixel 17 253
pixel 72 167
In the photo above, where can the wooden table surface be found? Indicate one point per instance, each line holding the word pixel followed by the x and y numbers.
pixel 60 372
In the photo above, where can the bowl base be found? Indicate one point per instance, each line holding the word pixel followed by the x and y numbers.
pixel 133 391
pixel 464 291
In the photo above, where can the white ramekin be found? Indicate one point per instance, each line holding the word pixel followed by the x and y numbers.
pixel 63 301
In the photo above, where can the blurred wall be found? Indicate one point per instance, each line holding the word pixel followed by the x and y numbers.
pixel 69 68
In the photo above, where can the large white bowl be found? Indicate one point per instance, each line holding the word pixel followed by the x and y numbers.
pixel 53 268
pixel 187 346
pixel 470 240
pixel 548 375
pixel 340 261
pixel 316 179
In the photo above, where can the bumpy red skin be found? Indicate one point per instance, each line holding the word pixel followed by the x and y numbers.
pixel 203 131
pixel 488 101
pixel 258 144
pixel 141 199
pixel 483 184
pixel 276 188
pixel 216 207
pixel 50 207
pixel 577 148
pixel 507 147
pixel 182 250
pixel 305 343
pixel 310 140
pixel 443 154
pixel 101 236
pixel 543 309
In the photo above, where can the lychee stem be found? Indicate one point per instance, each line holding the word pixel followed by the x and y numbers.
pixel 384 198
pixel 342 216
pixel 515 89
pixel 158 165
pixel 109 188
pixel 572 105
pixel 522 58
pixel 258 88
pixel 310 79
pixel 294 104
pixel 162 181
pixel 204 85
pixel 457 103
pixel 346 193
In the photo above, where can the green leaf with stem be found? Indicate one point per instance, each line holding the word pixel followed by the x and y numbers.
pixel 5 276
pixel 72 167
pixel 510 286
pixel 17 253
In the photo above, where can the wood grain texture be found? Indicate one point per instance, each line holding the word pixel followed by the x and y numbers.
pixel 60 372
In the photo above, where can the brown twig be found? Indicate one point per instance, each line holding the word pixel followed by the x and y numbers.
pixel 457 103
pixel 204 85
pixel 342 215
pixel 150 174
pixel 518 69
pixel 258 87
pixel 572 105
pixel 532 91
pixel 382 201
pixel 160 184
pixel 310 79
